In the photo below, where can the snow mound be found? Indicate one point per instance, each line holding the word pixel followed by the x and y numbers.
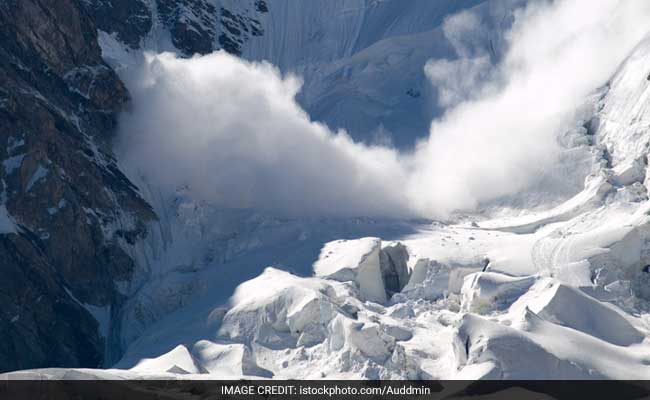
pixel 357 261
pixel 536 347
pixel 483 292
pixel 570 307
pixel 277 314
pixel 507 353
pixel 226 360
pixel 431 279
pixel 177 361
pixel 361 338
pixel 280 309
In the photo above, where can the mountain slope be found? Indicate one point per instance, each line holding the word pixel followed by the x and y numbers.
pixel 362 60
pixel 157 284
pixel 66 206
pixel 567 287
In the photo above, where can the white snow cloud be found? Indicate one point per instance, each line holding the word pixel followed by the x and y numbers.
pixel 460 79
pixel 504 135
pixel 233 132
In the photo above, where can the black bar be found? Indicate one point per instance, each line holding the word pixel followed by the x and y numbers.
pixel 275 389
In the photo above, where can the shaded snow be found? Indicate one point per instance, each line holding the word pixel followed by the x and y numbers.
pixel 39 174
pixel 7 224
pixel 13 163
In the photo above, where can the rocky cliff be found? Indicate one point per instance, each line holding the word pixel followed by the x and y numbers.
pixel 69 213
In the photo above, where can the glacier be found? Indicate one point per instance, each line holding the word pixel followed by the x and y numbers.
pixel 554 291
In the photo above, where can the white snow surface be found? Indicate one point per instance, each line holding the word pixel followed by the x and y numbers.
pixel 356 261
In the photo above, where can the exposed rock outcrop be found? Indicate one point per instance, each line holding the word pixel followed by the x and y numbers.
pixel 75 211
pixel 194 26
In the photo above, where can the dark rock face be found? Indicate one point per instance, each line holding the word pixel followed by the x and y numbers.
pixel 42 324
pixel 191 23
pixel 130 20
pixel 195 26
pixel 76 215
pixel 236 29
pixel 75 211
pixel 261 6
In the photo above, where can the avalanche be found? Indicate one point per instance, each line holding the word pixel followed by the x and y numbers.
pixel 557 292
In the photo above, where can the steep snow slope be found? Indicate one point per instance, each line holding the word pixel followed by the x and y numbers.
pixel 624 118
pixel 362 61
pixel 292 30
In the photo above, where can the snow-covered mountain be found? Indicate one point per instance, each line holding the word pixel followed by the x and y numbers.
pixel 361 60
pixel 555 292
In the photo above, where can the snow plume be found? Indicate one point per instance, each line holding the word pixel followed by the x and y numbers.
pixel 233 132
pixel 503 135
pixel 458 80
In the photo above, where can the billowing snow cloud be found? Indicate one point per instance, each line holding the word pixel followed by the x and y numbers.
pixel 504 135
pixel 461 79
pixel 232 131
